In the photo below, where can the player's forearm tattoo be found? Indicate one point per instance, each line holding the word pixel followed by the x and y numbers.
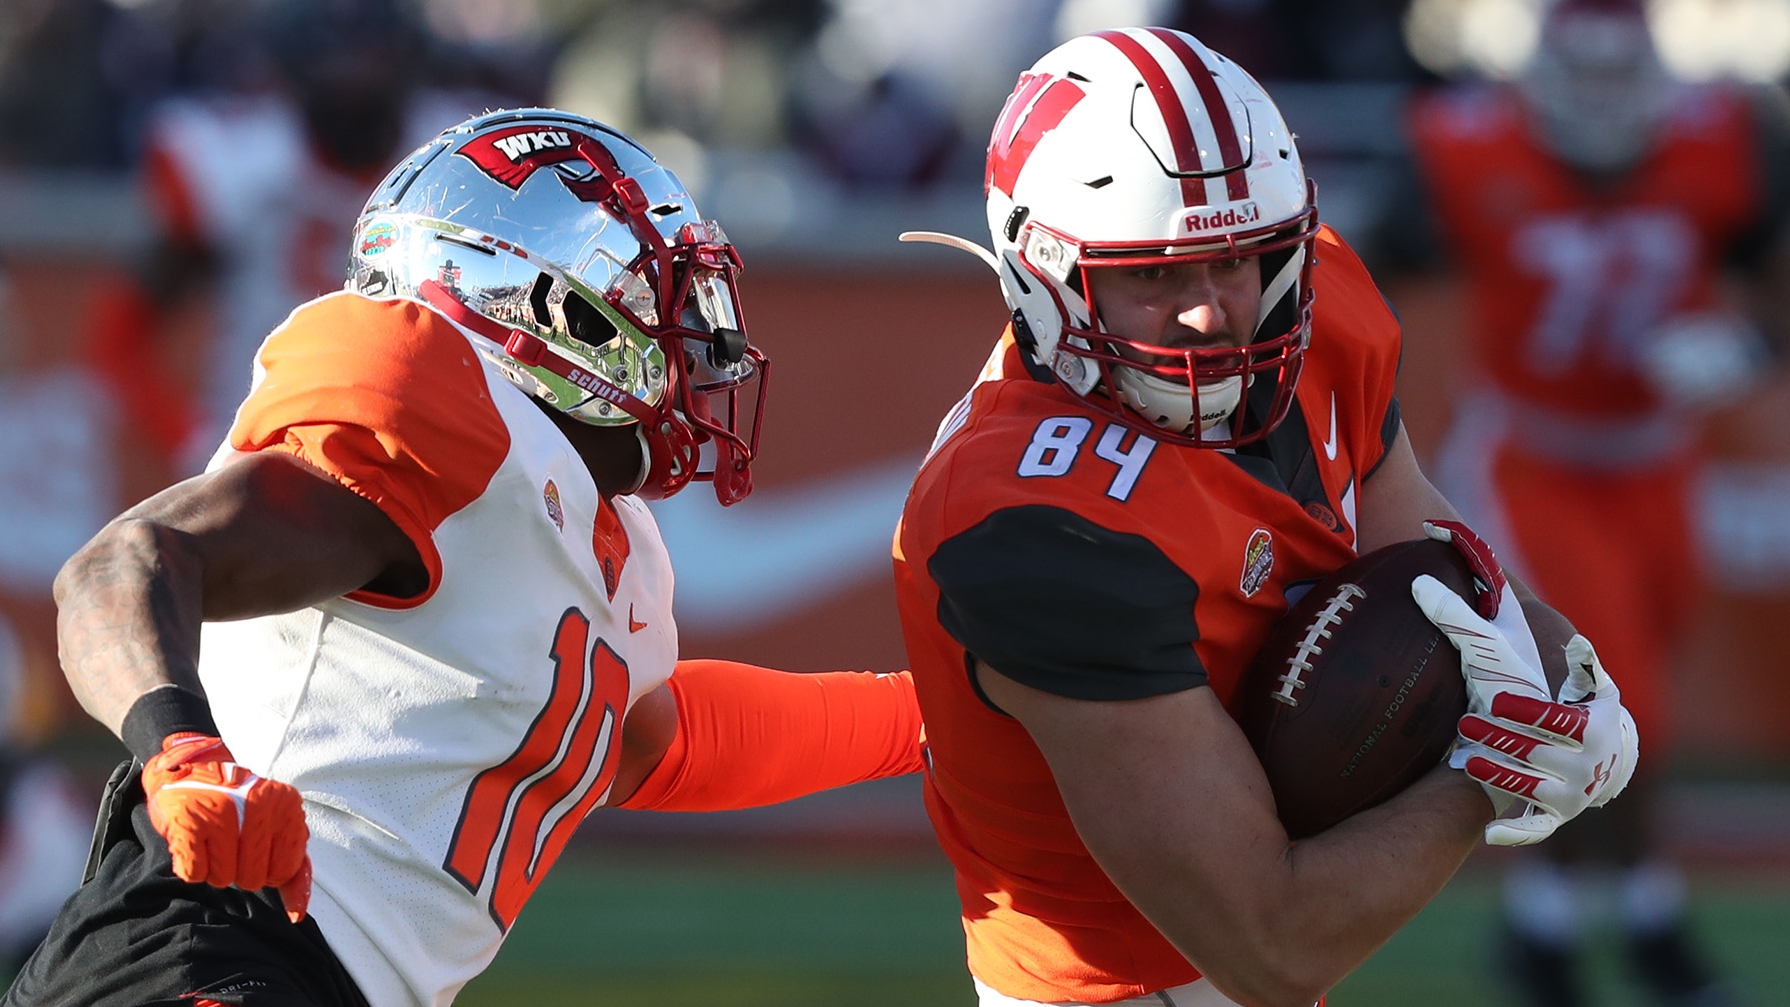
pixel 128 617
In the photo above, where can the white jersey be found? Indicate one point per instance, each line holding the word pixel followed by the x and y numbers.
pixel 446 745
pixel 240 175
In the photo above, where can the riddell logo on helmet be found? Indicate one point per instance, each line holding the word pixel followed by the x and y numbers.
pixel 1231 216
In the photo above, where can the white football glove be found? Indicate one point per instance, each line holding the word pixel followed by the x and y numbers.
pixel 1560 756
pixel 1493 660
pixel 1493 598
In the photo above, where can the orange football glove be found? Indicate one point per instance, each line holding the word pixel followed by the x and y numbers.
pixel 226 826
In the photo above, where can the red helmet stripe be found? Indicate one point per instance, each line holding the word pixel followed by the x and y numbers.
pixel 1174 115
pixel 1217 112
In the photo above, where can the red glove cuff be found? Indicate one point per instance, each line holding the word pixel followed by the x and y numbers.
pixel 1488 574
pixel 179 751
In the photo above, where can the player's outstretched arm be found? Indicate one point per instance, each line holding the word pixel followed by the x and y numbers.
pixel 264 534
pixel 1168 797
pixel 720 735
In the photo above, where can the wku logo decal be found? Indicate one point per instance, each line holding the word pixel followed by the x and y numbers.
pixel 521 145
pixel 1034 108
pixel 511 155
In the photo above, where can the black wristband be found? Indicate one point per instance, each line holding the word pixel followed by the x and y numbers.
pixel 164 710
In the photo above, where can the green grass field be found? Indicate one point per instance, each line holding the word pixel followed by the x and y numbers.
pixel 707 930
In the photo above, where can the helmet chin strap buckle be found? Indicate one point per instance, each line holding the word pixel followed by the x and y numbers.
pixel 732 479
pixel 527 349
pixel 628 193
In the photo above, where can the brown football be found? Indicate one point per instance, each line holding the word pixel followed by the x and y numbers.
pixel 1355 694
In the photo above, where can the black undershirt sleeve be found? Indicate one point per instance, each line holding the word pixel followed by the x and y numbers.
pixel 1389 427
pixel 1054 601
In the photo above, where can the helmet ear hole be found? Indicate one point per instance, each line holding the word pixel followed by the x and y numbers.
pixel 1015 221
pixel 585 322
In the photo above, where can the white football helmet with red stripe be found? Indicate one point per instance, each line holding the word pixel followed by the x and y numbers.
pixel 1142 146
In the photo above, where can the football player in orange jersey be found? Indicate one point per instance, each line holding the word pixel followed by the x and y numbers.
pixel 414 622
pixel 1592 207
pixel 1191 417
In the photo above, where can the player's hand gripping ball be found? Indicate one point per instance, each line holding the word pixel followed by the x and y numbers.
pixel 224 825
pixel 1356 694
pixel 1562 757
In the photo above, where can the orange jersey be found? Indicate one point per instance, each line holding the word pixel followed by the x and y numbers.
pixel 1080 557
pixel 1567 279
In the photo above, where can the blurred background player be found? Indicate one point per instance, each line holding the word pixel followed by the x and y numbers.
pixel 1621 237
pixel 266 183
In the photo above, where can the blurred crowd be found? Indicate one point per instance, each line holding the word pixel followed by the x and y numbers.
pixel 176 175
pixel 879 91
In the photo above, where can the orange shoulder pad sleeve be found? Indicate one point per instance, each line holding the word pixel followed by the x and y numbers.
pixel 389 399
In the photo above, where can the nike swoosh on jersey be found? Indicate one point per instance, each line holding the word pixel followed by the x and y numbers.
pixel 788 548
pixel 1330 445
pixel 634 625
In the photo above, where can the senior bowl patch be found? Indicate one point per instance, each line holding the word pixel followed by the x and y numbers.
pixel 1258 562
pixel 550 496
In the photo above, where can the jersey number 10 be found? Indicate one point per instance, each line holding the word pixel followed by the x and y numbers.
pixel 520 813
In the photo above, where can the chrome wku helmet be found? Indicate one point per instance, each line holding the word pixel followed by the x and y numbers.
pixel 1142 147
pixel 596 285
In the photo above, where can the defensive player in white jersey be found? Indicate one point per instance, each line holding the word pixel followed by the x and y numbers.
pixel 416 605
